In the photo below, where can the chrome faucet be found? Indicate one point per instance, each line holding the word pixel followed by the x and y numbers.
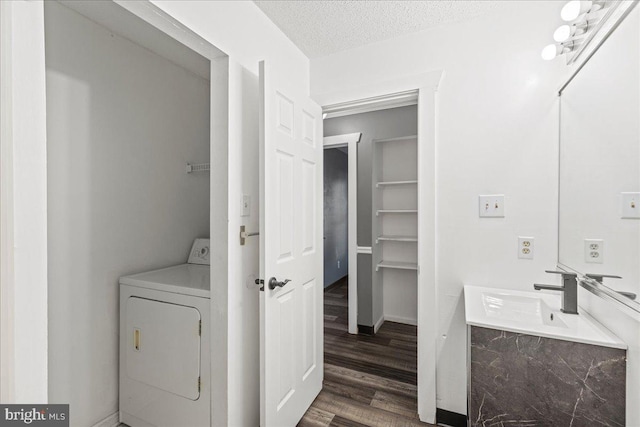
pixel 569 290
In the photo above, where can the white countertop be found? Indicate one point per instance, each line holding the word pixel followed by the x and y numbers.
pixel 533 313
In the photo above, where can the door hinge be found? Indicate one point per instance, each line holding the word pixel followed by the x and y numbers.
pixel 199 384
pixel 200 327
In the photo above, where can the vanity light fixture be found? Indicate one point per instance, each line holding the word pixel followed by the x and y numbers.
pixel 582 16
pixel 552 50
pixel 566 31
pixel 563 33
pixel 576 8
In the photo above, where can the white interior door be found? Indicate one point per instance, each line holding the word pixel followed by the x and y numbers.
pixel 291 352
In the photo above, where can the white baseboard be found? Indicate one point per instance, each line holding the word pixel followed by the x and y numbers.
pixel 112 420
pixel 378 324
pixel 398 319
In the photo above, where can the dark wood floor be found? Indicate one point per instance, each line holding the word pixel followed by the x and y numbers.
pixel 368 381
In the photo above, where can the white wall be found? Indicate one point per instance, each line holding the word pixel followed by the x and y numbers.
pixel 122 124
pixel 496 133
pixel 243 32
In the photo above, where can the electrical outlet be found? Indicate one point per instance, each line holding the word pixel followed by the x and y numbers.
pixel 594 251
pixel 525 247
pixel 491 206
pixel 338 263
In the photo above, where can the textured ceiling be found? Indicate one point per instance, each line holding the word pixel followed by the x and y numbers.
pixel 320 27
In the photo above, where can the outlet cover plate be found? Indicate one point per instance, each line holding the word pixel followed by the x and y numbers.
pixel 630 205
pixel 491 206
pixel 594 251
pixel 526 247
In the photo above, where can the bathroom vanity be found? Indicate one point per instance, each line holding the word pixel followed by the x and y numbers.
pixel 529 364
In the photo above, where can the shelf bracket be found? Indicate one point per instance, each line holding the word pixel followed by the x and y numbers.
pixel 200 167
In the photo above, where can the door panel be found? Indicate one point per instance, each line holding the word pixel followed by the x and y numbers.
pixel 284 191
pixel 309 328
pixel 308 208
pixel 286 314
pixel 291 231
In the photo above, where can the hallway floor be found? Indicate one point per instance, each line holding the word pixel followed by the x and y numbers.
pixel 368 381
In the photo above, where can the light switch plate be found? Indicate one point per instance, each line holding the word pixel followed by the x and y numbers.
pixel 594 251
pixel 246 205
pixel 491 206
pixel 630 205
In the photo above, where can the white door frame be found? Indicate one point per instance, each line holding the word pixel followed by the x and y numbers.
pixel 350 140
pixel 23 205
pixel 372 96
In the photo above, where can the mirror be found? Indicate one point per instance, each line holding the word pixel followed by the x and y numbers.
pixel 599 205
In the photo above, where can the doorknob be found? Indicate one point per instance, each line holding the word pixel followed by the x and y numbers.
pixel 273 283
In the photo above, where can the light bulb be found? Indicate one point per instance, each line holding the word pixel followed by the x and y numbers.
pixel 562 34
pixel 573 9
pixel 549 52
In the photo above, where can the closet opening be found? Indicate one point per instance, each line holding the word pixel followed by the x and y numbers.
pixel 134 133
pixel 383 346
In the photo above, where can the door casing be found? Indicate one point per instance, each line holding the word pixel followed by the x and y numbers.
pixel 350 141
pixel 381 96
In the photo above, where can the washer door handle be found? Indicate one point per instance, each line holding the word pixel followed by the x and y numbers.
pixel 136 339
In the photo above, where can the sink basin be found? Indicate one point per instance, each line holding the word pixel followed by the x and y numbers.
pixel 533 313
pixel 520 309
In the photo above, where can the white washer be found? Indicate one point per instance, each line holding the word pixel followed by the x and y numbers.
pixel 165 347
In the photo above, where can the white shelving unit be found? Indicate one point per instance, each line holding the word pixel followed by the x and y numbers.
pixel 395 227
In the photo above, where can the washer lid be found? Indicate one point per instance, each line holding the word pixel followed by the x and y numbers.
pixel 186 279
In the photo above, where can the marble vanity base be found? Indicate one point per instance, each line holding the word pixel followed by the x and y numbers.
pixel 524 380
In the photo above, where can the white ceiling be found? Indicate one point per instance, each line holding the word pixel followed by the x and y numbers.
pixel 321 27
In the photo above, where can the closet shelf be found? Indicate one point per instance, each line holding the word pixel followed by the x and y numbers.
pixel 396 211
pixel 400 139
pixel 398 265
pixel 392 238
pixel 395 183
